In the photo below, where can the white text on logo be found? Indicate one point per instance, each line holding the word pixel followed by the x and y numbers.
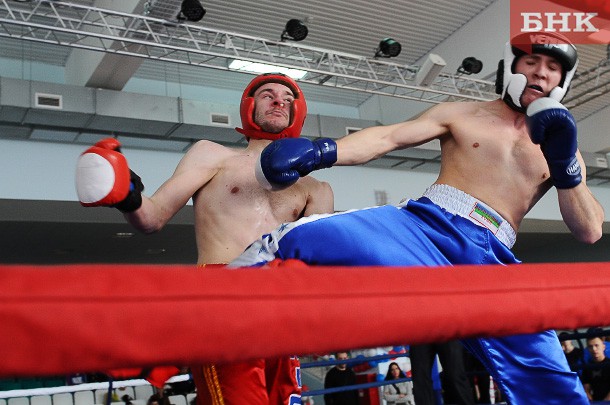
pixel 562 22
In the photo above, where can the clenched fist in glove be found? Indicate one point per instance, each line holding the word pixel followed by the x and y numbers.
pixel 284 161
pixel 552 127
pixel 103 178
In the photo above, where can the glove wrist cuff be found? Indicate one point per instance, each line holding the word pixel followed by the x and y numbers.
pixel 566 173
pixel 328 152
pixel 132 202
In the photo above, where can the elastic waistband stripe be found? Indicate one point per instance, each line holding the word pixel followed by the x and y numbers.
pixel 460 203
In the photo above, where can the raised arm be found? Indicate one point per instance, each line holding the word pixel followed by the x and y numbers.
pixel 285 160
pixel 103 178
pixel 552 127
pixel 374 142
pixel 195 169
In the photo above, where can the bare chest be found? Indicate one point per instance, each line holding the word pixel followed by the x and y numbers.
pixel 496 162
pixel 500 149
pixel 235 193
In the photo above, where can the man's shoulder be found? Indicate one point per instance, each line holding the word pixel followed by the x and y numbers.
pixel 457 110
pixel 211 145
pixel 213 150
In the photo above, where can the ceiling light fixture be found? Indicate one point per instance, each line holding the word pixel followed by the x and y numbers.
pixel 191 10
pixel 470 65
pixel 295 30
pixel 260 68
pixel 388 48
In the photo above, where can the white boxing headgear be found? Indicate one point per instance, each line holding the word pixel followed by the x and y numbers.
pixel 511 85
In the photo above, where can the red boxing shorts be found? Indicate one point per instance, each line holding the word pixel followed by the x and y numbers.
pixel 253 382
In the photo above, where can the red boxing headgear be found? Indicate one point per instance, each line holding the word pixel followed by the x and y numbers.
pixel 297 114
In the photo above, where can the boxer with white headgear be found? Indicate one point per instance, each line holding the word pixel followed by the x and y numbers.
pixel 498 159
pixel 511 84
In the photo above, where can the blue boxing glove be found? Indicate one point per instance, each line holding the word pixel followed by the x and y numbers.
pixel 551 126
pixel 284 161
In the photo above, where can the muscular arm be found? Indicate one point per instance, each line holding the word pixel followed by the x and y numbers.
pixel 194 170
pixel 582 213
pixel 552 126
pixel 374 142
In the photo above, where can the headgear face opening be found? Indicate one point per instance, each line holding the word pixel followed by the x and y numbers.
pixel 511 85
pixel 297 114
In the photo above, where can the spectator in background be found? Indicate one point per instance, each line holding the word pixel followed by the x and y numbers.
pixel 457 389
pixel 574 355
pixel 158 399
pixel 397 393
pixel 596 376
pixel 595 332
pixel 479 378
pixel 340 375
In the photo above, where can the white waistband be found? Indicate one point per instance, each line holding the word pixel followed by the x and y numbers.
pixel 459 203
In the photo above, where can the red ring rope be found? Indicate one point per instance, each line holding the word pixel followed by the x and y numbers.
pixel 63 319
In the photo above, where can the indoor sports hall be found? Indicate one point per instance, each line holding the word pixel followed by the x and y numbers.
pixel 159 76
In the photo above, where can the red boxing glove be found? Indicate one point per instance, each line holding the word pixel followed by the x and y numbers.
pixel 156 376
pixel 103 178
pixel 294 263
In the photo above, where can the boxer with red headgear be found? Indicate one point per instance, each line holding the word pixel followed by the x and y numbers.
pixel 231 210
pixel 498 159
pixel 298 109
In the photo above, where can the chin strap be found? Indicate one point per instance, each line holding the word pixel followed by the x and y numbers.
pixel 253 133
pixel 509 102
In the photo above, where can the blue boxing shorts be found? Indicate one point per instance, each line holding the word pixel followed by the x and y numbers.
pixel 444 227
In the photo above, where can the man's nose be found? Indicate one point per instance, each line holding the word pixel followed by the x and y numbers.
pixel 541 71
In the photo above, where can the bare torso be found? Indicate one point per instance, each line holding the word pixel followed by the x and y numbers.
pixel 232 209
pixel 489 155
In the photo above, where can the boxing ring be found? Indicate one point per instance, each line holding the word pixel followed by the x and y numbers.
pixel 81 318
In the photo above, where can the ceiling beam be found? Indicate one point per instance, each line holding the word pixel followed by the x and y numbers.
pixel 103 70
pixel 119 33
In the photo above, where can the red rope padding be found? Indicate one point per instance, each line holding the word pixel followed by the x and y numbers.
pixel 57 320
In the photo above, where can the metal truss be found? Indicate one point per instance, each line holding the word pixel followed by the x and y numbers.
pixel 589 85
pixel 96 29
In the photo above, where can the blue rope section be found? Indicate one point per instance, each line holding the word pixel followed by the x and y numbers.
pixel 355 360
pixel 353 387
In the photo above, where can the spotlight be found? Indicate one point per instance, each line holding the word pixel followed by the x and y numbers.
pixel 295 30
pixel 191 10
pixel 388 48
pixel 470 65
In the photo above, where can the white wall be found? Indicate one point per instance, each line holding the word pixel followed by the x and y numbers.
pixel 598 123
pixel 45 171
pixel 485 36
